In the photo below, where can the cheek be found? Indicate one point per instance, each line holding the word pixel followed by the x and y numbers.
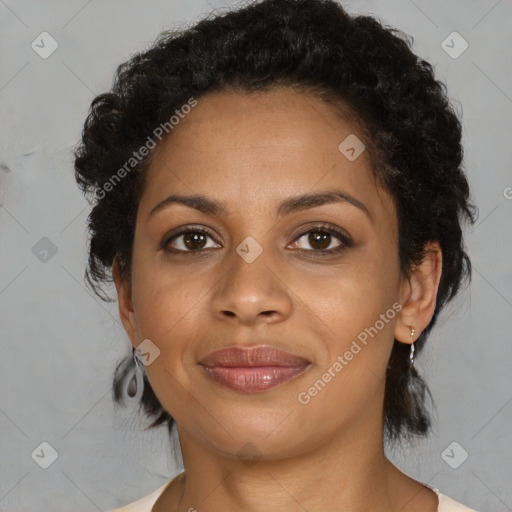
pixel 163 294
pixel 171 311
pixel 358 317
pixel 166 307
pixel 353 308
pixel 168 314
pixel 352 295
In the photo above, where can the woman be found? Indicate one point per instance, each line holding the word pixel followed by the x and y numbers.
pixel 278 194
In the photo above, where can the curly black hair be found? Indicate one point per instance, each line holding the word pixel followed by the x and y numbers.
pixel 365 70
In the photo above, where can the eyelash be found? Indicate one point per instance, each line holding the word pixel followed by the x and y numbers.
pixel 345 240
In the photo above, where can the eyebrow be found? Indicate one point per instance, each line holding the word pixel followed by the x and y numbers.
pixel 291 205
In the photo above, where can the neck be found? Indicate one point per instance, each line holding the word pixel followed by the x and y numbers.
pixel 348 470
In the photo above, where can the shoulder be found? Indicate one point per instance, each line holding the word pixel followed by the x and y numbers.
pixel 447 504
pixel 146 503
pixel 143 504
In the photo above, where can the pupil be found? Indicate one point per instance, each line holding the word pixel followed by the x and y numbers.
pixel 318 237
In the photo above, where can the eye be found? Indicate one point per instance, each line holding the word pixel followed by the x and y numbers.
pixel 189 240
pixel 323 239
pixel 320 237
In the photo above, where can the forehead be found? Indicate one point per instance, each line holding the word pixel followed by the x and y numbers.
pixel 260 148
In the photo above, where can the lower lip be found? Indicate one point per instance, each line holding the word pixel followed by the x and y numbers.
pixel 252 380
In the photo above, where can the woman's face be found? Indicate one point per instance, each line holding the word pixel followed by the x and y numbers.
pixel 264 274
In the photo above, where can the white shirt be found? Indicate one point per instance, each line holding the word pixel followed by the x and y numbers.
pixel 145 504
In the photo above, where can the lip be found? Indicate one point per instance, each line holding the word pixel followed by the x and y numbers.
pixel 252 369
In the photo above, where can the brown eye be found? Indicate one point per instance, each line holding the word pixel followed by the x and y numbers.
pixel 194 240
pixel 189 241
pixel 319 240
pixel 322 240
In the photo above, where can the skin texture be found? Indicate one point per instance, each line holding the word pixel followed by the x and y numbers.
pixel 252 152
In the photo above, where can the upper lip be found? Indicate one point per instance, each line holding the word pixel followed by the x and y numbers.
pixel 250 357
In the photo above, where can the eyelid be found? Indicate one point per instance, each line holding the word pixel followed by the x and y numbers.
pixel 329 228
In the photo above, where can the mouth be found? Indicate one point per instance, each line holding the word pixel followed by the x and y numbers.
pixel 253 369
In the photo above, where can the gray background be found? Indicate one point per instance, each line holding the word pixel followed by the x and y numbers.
pixel 60 343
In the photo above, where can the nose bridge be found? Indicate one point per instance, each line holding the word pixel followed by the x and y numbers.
pixel 250 286
pixel 249 264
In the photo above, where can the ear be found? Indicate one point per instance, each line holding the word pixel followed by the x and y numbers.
pixel 124 299
pixel 418 295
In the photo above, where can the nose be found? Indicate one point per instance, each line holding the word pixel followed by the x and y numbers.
pixel 251 293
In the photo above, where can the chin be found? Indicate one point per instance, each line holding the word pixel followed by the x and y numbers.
pixel 245 433
pixel 250 447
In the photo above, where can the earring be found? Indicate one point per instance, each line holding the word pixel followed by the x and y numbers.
pixel 135 386
pixel 411 354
